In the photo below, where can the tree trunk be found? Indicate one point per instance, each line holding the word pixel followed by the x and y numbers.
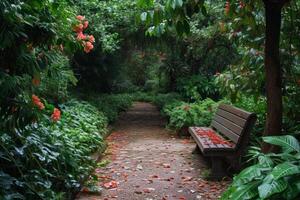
pixel 273 70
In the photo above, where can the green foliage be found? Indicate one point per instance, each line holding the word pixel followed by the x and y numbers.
pixel 48 161
pixel 274 176
pixel 257 106
pixel 197 87
pixel 182 114
pixel 56 79
pixel 111 105
pixel 162 100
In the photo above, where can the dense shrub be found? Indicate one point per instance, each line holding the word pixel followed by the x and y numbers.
pixel 161 100
pixel 197 87
pixel 143 96
pixel 111 105
pixel 47 160
pixel 183 114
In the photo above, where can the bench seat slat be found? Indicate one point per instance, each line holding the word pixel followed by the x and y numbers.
pixel 202 143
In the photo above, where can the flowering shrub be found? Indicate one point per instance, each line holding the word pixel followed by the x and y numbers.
pixel 85 40
pixel 182 114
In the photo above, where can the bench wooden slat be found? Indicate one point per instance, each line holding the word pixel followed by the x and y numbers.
pixel 211 148
pixel 236 111
pixel 228 124
pixel 231 117
pixel 225 131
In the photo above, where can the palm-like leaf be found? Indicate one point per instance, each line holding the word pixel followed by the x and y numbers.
pixel 287 142
pixel 266 190
pixel 248 191
pixel 248 174
pixel 284 169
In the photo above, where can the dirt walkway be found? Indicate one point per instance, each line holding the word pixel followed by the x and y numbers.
pixel 149 163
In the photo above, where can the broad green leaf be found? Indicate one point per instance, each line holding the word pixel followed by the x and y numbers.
pixel 285 169
pixel 287 142
pixel 248 174
pixel 248 191
pixel 265 161
pixel 266 190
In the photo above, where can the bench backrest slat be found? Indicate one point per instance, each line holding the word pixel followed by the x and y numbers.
pixel 232 117
pixel 232 122
pixel 225 131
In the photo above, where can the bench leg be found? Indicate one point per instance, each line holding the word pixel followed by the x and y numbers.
pixel 217 170
pixel 196 150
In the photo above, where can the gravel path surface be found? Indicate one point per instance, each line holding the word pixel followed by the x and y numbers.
pixel 147 162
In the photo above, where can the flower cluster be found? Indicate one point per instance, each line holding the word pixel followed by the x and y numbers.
pixel 55 115
pixel 86 40
pixel 36 101
pixel 212 137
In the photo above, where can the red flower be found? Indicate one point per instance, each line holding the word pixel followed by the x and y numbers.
pixel 80 17
pixel 227 7
pixel 55 115
pixel 88 46
pixel 78 28
pixel 36 100
pixel 91 39
pixel 81 36
pixel 85 24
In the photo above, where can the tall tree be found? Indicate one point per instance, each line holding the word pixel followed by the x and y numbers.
pixel 273 70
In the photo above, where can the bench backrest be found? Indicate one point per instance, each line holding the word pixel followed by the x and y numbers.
pixel 234 123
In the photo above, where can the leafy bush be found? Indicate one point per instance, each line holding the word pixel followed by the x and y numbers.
pixel 197 87
pixel 257 106
pixel 46 160
pixel 112 105
pixel 161 100
pixel 143 96
pixel 182 114
pixel 273 176
pixel 56 79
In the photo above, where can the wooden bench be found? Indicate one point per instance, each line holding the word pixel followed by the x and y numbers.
pixel 226 139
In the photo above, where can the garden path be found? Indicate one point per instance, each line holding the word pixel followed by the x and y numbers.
pixel 148 162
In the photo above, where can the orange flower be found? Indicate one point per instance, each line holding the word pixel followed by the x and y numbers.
pixel 81 36
pixel 80 17
pixel 91 39
pixel 88 47
pixel 85 24
pixel 78 28
pixel 36 101
pixel 55 115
